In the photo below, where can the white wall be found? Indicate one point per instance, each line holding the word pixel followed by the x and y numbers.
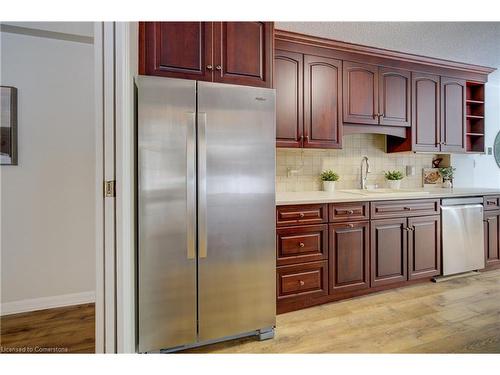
pixel 48 200
pixel 476 43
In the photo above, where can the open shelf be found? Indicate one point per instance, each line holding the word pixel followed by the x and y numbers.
pixel 474 115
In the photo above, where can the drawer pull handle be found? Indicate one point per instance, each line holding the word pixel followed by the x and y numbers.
pixel 491 203
pixel 301 244
pixel 301 283
pixel 350 225
pixel 301 214
pixel 350 212
pixel 407 208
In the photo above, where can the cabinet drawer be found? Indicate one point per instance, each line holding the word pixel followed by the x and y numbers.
pixel 349 211
pixel 301 244
pixel 390 209
pixel 301 214
pixel 491 203
pixel 307 279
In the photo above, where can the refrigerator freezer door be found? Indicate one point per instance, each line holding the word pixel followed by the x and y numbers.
pixel 166 212
pixel 236 210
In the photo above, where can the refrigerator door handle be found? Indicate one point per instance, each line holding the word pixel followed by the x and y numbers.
pixel 202 184
pixel 191 185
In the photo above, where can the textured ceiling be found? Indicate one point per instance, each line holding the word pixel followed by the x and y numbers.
pixel 472 42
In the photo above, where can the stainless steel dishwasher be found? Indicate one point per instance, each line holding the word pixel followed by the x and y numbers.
pixel 462 235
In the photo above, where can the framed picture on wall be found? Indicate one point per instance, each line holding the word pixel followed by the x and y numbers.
pixel 8 125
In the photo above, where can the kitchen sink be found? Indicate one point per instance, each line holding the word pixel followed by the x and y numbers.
pixel 401 192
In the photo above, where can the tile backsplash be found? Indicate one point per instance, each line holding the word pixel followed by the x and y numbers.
pixel 308 164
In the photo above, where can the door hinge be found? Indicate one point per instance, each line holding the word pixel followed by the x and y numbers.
pixel 109 189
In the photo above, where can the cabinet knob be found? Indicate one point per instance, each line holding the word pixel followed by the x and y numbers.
pixel 350 212
pixel 218 67
pixel 301 244
pixel 301 214
pixel 301 283
pixel 350 225
pixel 210 67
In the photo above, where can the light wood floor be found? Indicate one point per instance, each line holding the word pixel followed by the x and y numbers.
pixel 62 330
pixel 458 316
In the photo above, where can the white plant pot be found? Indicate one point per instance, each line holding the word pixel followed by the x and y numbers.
pixel 394 184
pixel 447 184
pixel 328 185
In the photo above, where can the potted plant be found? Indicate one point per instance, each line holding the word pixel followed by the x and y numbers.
pixel 394 179
pixel 447 173
pixel 329 177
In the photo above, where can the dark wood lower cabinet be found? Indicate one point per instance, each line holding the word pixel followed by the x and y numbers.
pixel 492 238
pixel 424 247
pixel 337 251
pixel 389 251
pixel 349 256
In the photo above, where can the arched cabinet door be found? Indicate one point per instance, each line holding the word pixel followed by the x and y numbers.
pixel 288 82
pixel 452 114
pixel 360 93
pixel 426 134
pixel 394 97
pixel 322 102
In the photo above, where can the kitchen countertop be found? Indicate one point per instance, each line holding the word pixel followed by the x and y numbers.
pixel 341 195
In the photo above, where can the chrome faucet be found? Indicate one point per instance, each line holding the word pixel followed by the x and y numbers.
pixel 367 170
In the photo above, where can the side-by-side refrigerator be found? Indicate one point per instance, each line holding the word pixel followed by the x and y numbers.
pixel 206 212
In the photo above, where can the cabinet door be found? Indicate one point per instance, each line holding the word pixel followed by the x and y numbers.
pixel 388 251
pixel 288 70
pixel 243 53
pixel 349 256
pixel 360 93
pixel 394 97
pixel 491 237
pixel 425 112
pixel 452 115
pixel 176 49
pixel 322 102
pixel 424 247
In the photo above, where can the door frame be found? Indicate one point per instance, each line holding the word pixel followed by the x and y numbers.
pixel 116 63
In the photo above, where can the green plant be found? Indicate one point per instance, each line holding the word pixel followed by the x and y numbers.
pixel 393 175
pixel 447 172
pixel 329 175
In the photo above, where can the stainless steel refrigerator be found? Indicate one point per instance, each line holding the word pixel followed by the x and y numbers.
pixel 206 212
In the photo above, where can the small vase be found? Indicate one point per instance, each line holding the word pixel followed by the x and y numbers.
pixel 447 184
pixel 394 184
pixel 328 185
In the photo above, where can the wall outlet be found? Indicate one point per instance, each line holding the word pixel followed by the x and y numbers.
pixel 410 170
pixel 490 150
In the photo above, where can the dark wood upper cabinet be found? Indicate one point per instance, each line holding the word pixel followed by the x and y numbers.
pixel 424 247
pixel 389 250
pixel 288 81
pixel 349 256
pixel 360 93
pixel 228 52
pixel 425 112
pixel 492 238
pixel 243 53
pixel 176 49
pixel 452 114
pixel 322 102
pixel 394 97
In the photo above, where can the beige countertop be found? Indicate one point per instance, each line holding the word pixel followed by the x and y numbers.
pixel 357 195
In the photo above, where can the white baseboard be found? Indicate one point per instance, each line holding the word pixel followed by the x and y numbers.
pixel 34 304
